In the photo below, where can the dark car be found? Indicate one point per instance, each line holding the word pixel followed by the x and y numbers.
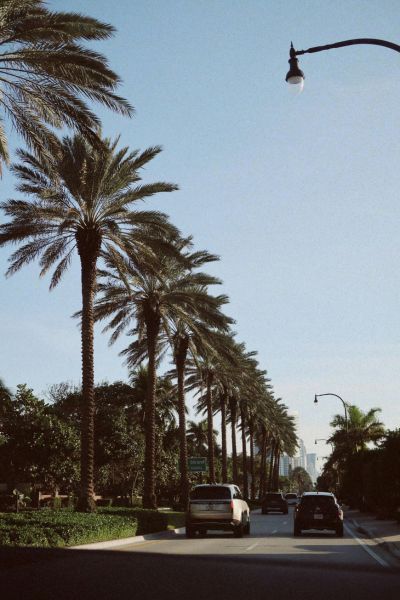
pixel 318 510
pixel 274 502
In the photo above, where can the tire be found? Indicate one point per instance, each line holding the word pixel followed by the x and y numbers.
pixel 264 512
pixel 296 531
pixel 247 527
pixel 202 532
pixel 190 532
pixel 339 531
pixel 285 512
pixel 238 531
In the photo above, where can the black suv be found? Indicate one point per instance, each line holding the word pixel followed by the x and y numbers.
pixel 318 510
pixel 274 501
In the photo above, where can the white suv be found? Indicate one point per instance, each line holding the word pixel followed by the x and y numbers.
pixel 217 506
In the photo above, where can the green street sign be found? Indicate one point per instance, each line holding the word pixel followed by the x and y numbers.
pixel 197 465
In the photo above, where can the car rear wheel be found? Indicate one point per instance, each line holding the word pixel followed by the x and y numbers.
pixel 264 512
pixel 190 532
pixel 238 530
pixel 285 512
pixel 247 528
pixel 296 531
pixel 339 531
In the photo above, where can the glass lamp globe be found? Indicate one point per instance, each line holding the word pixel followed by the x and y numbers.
pixel 296 84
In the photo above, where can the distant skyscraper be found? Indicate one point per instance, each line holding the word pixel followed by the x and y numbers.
pixel 302 455
pixel 312 466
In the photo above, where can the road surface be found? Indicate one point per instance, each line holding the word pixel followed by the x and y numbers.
pixel 269 564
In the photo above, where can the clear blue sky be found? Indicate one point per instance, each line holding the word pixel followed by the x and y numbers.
pixel 298 195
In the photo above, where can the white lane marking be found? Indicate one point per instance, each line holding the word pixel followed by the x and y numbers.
pixel 367 549
pixel 274 531
pixel 250 547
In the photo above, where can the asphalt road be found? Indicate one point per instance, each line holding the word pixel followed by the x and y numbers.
pixel 269 564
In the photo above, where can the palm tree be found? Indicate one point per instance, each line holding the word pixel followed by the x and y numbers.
pixel 361 429
pixel 210 362
pixel 83 201
pixel 197 436
pixel 170 303
pixel 45 73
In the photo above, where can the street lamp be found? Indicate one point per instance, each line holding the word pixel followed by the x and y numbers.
pixel 324 440
pixel 295 76
pixel 343 402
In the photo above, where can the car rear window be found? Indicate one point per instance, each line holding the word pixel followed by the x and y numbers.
pixel 321 501
pixel 290 496
pixel 273 497
pixel 214 492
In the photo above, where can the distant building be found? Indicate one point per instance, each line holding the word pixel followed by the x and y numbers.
pixel 285 466
pixel 312 466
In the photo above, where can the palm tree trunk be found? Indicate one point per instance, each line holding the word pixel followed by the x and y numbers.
pixel 261 489
pixel 223 438
pixel 252 470
pixel 233 411
pixel 271 466
pixel 149 493
pixel 244 453
pixel 210 423
pixel 88 253
pixel 180 361
pixel 276 468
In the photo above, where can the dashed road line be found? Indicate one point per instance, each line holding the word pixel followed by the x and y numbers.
pixel 250 547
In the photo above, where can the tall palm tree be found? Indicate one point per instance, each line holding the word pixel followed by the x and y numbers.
pixel 170 303
pixel 45 74
pixel 197 436
pixel 361 428
pixel 83 200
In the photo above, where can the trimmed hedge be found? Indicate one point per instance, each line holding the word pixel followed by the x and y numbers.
pixel 63 527
pixel 60 528
pixel 149 521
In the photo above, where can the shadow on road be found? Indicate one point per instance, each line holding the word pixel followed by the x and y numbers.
pixel 103 574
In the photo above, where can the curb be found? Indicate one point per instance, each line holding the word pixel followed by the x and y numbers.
pixel 127 541
pixel 390 547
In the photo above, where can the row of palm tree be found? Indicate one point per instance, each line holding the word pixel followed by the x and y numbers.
pixel 137 270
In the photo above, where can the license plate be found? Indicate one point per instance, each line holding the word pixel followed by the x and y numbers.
pixel 318 516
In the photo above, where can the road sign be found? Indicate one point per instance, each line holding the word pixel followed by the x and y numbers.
pixel 197 465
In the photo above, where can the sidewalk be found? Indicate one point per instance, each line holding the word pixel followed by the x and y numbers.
pixel 385 532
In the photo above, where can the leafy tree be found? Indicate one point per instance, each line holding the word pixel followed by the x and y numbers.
pixel 38 446
pixel 300 480
pixel 83 200
pixel 46 74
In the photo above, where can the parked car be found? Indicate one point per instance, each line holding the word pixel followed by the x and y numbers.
pixel 217 506
pixel 273 502
pixel 318 510
pixel 291 498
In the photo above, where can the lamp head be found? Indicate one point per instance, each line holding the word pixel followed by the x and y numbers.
pixel 295 76
pixel 315 399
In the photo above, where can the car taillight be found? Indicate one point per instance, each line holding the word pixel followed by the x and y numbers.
pixel 231 504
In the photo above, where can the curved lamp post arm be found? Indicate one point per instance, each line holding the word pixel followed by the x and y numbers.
pixel 342 401
pixel 324 440
pixel 295 75
pixel 373 41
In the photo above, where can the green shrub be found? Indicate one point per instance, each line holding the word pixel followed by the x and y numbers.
pixel 62 528
pixel 57 502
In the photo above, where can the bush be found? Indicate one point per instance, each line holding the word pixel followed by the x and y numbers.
pixel 63 528
pixel 148 521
